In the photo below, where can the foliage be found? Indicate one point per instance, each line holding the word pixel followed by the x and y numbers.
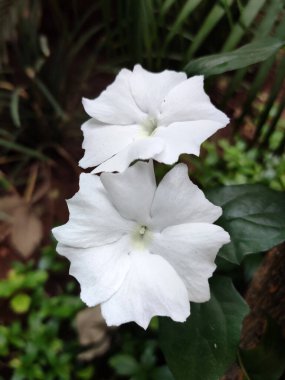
pixel 205 346
pixel 37 86
pixel 253 215
pixel 41 342
pixel 43 75
pixel 232 163
pixel 38 339
pixel 138 360
pixel 245 56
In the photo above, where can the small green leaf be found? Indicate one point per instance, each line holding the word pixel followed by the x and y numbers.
pixel 34 279
pixel 244 56
pixel 15 363
pixel 20 303
pixel 124 364
pixel 85 373
pixel 205 345
pixel 4 341
pixel 253 215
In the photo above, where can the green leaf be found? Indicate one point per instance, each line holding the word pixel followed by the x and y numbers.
pixel 10 145
pixel 250 265
pixel 161 373
pixel 205 345
pixel 4 341
pixel 267 360
pixel 248 15
pixel 244 56
pixel 34 279
pixel 124 364
pixel 253 215
pixel 185 12
pixel 14 107
pixel 10 285
pixel 20 304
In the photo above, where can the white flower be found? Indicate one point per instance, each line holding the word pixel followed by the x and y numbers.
pixel 145 115
pixel 140 250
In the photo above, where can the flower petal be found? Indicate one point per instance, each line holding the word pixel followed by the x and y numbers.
pixel 184 137
pixel 93 219
pixel 142 149
pixel 191 249
pixel 115 105
pixel 132 191
pixel 102 141
pixel 151 287
pixel 177 201
pixel 100 270
pixel 188 101
pixel 149 89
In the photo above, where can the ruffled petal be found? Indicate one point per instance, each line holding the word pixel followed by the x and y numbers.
pixel 102 141
pixel 93 221
pixel 132 191
pixel 115 105
pixel 151 287
pixel 188 101
pixel 142 149
pixel 191 249
pixel 184 137
pixel 177 201
pixel 100 270
pixel 149 89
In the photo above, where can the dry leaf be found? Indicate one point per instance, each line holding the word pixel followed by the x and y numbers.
pixel 20 224
pixel 92 331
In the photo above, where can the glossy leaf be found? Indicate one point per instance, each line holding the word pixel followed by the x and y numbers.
pixel 244 56
pixel 205 345
pixel 254 216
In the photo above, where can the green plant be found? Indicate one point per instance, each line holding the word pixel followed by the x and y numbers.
pixel 232 163
pixel 39 98
pixel 37 335
pixel 138 360
pixel 58 48
pixel 38 338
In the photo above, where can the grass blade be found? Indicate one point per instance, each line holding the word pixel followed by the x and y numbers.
pixel 249 54
pixel 248 15
pixel 186 11
pixel 14 107
pixel 10 145
pixel 214 16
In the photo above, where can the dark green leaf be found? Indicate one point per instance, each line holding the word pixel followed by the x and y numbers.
pixel 205 345
pixel 267 360
pixel 124 364
pixel 244 56
pixel 250 265
pixel 14 107
pixel 161 373
pixel 253 215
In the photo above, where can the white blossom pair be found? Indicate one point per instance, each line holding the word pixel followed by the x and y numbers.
pixel 136 248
